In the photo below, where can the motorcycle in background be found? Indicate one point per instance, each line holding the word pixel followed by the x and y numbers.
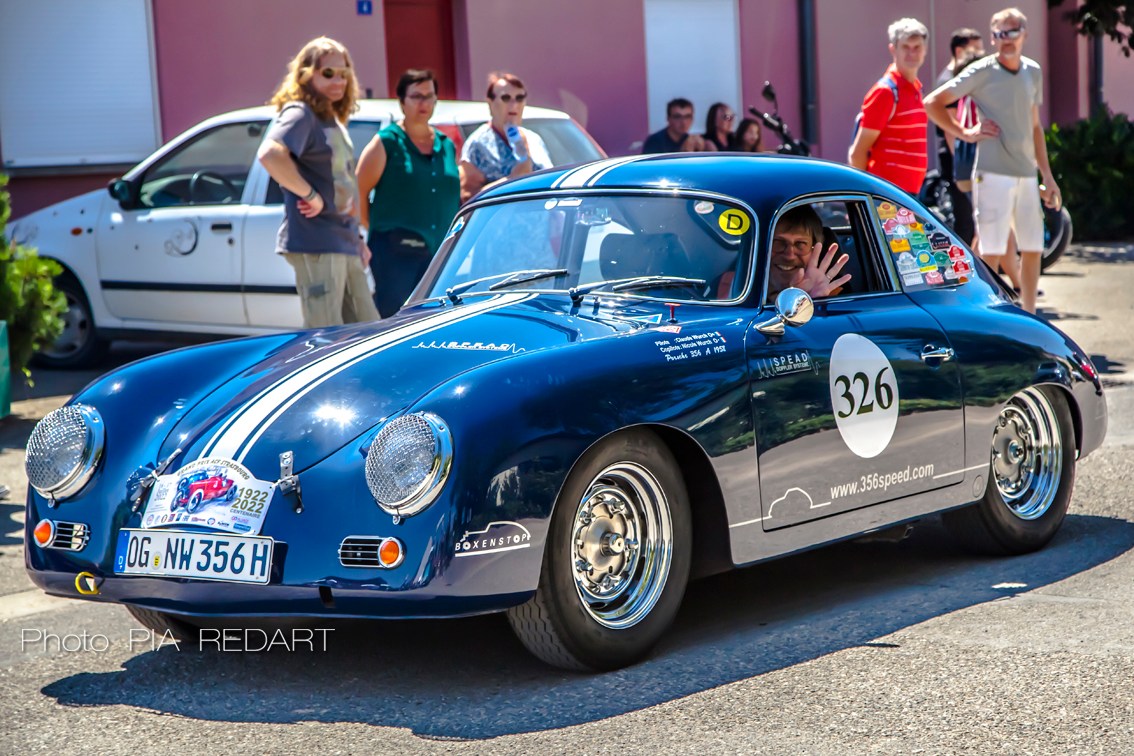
pixel 789 145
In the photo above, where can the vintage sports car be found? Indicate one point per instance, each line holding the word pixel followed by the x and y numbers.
pixel 199 487
pixel 588 400
pixel 185 241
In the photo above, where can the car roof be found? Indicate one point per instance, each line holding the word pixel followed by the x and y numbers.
pixel 446 111
pixel 760 180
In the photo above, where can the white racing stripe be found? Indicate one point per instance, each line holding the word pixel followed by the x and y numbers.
pixel 588 174
pixel 238 433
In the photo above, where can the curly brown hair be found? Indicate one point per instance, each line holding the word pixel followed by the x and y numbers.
pixel 296 85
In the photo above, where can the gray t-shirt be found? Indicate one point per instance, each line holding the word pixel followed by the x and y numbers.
pixel 323 153
pixel 1005 97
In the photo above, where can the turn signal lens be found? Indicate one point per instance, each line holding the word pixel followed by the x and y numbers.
pixel 390 553
pixel 44 532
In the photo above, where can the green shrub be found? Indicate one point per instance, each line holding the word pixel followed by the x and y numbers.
pixel 1093 161
pixel 28 299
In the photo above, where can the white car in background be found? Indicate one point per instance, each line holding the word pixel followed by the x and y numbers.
pixel 185 241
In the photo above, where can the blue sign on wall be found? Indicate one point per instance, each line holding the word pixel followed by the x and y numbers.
pixel 365 7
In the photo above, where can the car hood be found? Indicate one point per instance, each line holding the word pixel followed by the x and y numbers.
pixel 326 388
pixel 82 210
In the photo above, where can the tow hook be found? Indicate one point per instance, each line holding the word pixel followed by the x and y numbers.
pixel 87 583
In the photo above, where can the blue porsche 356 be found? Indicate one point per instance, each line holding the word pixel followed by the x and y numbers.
pixel 611 379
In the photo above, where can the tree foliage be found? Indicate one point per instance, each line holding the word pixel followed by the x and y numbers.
pixel 1114 18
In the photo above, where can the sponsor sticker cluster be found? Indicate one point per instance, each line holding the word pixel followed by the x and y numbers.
pixel 925 254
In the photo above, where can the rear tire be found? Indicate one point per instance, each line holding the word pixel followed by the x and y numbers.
pixel 79 345
pixel 1030 479
pixel 616 561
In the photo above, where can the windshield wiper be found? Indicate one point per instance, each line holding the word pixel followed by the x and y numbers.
pixel 630 284
pixel 510 279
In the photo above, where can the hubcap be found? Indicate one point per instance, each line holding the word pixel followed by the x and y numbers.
pixel 76 330
pixel 1027 462
pixel 621 545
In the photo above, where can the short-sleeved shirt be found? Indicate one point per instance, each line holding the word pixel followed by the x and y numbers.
pixel 1006 97
pixel 419 193
pixel 489 152
pixel 323 153
pixel 660 142
pixel 900 154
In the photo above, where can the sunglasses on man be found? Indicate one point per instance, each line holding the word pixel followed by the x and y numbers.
pixel 330 73
pixel 1007 34
pixel 506 97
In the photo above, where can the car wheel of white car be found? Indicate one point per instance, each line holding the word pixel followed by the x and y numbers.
pixel 616 561
pixel 1030 479
pixel 165 625
pixel 79 345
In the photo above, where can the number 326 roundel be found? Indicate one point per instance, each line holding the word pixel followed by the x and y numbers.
pixel 864 395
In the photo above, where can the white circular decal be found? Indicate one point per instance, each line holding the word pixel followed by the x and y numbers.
pixel 864 394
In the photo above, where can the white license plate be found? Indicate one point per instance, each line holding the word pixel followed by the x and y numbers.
pixel 207 556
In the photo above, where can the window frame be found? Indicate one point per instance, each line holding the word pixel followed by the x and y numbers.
pixel 140 176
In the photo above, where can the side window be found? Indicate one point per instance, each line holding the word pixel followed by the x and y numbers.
pixel 926 254
pixel 210 170
pixel 842 222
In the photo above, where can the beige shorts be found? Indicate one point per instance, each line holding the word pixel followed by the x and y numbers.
pixel 332 289
pixel 1003 204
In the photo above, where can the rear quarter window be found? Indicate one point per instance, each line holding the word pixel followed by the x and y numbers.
pixel 925 252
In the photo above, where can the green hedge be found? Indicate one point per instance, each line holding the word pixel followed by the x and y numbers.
pixel 1093 161
pixel 29 302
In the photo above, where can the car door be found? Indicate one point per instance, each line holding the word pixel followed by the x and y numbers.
pixel 174 255
pixel 862 404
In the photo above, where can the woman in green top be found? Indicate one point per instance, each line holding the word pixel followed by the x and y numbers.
pixel 412 169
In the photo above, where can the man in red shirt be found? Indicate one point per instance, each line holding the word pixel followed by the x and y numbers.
pixel 891 138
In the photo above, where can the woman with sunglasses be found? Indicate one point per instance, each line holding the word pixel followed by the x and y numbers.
pixel 718 126
pixel 309 154
pixel 491 154
pixel 412 169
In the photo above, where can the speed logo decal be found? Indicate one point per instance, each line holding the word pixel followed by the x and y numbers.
pixel 864 395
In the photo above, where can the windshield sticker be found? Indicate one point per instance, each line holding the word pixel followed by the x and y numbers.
pixel 786 364
pixel 734 222
pixel 455 229
pixel 864 395
pixel 214 492
pixel 498 536
pixel 703 207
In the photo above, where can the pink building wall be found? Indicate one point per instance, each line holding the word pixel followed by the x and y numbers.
pixel 769 51
pixel 219 55
pixel 586 57
pixel 1118 79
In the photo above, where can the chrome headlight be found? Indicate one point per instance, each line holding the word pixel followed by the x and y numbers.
pixel 408 463
pixel 64 450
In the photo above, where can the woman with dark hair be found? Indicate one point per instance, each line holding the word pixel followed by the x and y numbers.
pixel 748 137
pixel 412 169
pixel 718 126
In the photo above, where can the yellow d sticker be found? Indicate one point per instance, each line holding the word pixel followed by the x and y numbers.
pixel 733 222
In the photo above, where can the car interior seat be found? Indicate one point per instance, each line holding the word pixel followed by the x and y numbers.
pixel 632 255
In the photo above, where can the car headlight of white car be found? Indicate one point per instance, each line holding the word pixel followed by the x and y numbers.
pixel 64 450
pixel 408 462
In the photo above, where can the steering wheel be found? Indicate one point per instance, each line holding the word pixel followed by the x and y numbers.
pixel 213 176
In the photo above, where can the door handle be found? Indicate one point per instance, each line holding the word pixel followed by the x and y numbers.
pixel 936 353
pixel 221 227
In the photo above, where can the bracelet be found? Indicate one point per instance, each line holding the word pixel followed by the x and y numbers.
pixel 310 195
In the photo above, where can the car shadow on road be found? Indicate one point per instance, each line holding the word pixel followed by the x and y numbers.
pixel 471 679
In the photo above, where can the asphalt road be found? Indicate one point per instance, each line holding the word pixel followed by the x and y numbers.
pixel 860 648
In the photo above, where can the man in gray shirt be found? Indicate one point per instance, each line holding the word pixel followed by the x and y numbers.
pixel 1008 90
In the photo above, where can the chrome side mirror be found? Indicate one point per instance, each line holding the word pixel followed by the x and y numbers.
pixel 793 307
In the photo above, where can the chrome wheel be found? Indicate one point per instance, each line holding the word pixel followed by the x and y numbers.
pixel 622 545
pixel 1027 455
pixel 77 329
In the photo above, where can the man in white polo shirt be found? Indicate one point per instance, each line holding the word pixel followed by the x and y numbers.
pixel 1008 90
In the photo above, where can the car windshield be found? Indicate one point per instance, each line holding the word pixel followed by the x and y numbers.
pixel 584 241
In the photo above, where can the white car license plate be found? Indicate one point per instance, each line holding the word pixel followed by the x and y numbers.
pixel 207 556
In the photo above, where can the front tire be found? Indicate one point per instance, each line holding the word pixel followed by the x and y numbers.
pixel 1030 479
pixel 616 561
pixel 79 345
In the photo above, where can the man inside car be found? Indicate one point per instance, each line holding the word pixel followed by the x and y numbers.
pixel 797 259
